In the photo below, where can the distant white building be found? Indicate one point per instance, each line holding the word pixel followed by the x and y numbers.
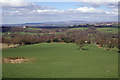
pixel 71 25
pixel 108 24
pixel 24 26
pixel 60 30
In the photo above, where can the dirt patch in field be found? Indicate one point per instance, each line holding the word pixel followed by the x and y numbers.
pixel 16 59
pixel 5 46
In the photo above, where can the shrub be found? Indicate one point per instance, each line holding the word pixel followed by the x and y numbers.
pixel 48 41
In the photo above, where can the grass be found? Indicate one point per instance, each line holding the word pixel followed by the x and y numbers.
pixel 78 28
pixel 61 60
pixel 26 33
pixel 113 30
pixel 33 28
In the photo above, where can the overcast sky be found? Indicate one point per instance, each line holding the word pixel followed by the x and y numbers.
pixel 21 11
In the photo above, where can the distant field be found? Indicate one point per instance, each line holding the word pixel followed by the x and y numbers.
pixel 33 29
pixel 78 28
pixel 61 60
pixel 113 30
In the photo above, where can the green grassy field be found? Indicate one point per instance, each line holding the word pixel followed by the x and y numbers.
pixel 112 30
pixel 81 28
pixel 61 60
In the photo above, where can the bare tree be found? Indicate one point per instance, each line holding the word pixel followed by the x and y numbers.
pixel 81 43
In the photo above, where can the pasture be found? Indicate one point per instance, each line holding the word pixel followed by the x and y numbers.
pixel 112 30
pixel 61 60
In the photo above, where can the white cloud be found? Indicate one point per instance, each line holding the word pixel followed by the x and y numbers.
pixel 59 0
pixel 17 11
pixel 65 11
pixel 73 0
pixel 13 3
pixel 89 10
pixel 46 11
pixel 98 0
pixel 12 13
pixel 84 10
pixel 116 10
pixel 114 13
pixel 31 11
pixel 40 11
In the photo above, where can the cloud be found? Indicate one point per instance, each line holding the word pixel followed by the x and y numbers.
pixel 42 11
pixel 99 4
pixel 19 7
pixel 97 0
pixel 49 12
pixel 107 12
pixel 13 3
pixel 19 4
pixel 57 1
pixel 89 10
pixel 21 11
pixel 70 11
pixel 113 11
pixel 112 7
pixel 35 10
pixel 72 0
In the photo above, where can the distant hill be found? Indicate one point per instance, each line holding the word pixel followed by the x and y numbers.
pixel 67 23
pixel 52 24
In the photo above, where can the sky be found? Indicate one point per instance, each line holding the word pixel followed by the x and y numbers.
pixel 21 11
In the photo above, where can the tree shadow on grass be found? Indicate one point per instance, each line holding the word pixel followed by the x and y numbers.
pixel 83 49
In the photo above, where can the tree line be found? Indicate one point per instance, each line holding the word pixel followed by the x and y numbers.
pixel 80 37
